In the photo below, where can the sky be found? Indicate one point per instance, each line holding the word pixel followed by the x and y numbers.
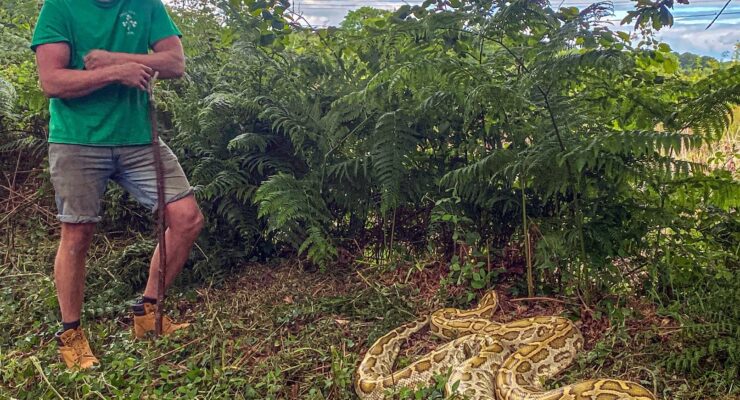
pixel 687 34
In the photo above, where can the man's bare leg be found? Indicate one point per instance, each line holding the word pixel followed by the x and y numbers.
pixel 184 222
pixel 69 268
pixel 69 276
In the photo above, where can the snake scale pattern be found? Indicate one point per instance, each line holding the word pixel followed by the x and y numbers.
pixel 488 360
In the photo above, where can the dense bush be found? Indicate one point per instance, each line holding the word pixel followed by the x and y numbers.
pixel 519 114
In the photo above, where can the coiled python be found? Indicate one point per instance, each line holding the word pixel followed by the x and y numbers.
pixel 488 360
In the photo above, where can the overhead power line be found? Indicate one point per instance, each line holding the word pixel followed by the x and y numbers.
pixel 718 14
pixel 680 17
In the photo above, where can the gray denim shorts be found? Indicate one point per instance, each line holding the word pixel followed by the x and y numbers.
pixel 80 174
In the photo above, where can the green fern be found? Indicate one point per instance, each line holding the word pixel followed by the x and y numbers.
pixel 8 98
pixel 297 214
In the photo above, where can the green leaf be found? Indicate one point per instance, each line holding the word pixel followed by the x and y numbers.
pixel 267 39
pixel 666 18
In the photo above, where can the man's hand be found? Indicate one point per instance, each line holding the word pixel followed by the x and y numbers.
pixel 58 80
pixel 134 75
pixel 100 59
pixel 168 58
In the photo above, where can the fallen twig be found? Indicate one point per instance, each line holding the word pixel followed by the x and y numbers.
pixel 16 208
pixel 176 349
pixel 37 364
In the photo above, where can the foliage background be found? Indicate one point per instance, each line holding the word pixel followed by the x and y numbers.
pixel 516 145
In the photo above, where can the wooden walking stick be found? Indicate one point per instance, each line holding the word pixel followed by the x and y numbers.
pixel 161 223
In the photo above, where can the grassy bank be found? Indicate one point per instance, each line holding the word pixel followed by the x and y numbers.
pixel 278 331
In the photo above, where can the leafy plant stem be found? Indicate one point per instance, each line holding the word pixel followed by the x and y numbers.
pixel 527 250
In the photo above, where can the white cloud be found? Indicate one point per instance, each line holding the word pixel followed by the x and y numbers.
pixel 714 41
pixel 317 20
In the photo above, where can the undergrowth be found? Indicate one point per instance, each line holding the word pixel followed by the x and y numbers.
pixel 276 331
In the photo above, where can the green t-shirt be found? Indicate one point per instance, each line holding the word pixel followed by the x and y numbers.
pixel 114 115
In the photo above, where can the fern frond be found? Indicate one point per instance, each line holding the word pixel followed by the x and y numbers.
pixel 296 209
pixel 392 141
pixel 7 99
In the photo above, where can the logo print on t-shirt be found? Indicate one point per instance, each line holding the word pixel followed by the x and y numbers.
pixel 128 20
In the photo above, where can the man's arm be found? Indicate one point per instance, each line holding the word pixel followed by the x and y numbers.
pixel 168 58
pixel 59 81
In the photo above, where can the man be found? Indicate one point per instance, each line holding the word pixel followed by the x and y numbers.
pixel 94 63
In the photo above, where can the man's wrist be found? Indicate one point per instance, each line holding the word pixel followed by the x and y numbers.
pixel 123 58
pixel 110 75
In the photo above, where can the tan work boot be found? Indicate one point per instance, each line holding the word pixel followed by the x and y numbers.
pixel 144 321
pixel 75 350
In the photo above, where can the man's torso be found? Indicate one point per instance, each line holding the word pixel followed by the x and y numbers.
pixel 115 115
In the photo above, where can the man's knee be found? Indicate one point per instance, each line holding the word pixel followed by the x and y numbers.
pixel 185 217
pixel 76 238
pixel 194 222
